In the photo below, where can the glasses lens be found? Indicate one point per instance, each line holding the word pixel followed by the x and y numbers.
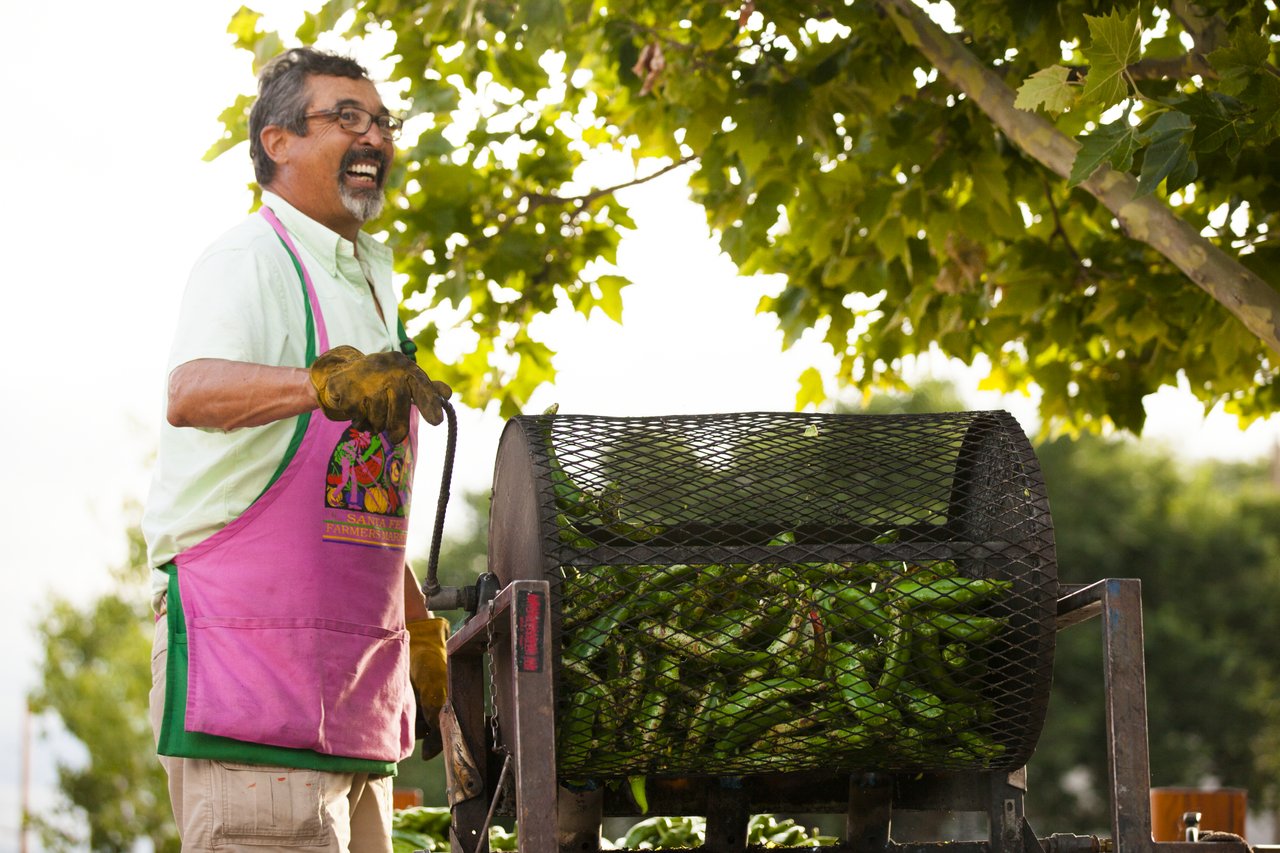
pixel 354 119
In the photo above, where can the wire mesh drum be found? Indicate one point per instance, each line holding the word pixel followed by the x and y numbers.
pixel 748 593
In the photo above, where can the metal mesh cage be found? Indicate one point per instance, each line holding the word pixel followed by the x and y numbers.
pixel 746 593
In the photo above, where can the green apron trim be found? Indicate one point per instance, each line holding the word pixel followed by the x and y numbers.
pixel 175 740
pixel 303 420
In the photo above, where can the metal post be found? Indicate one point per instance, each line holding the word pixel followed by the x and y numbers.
pixel 1124 674
pixel 533 706
pixel 870 812
pixel 727 817
pixel 1119 602
pixel 466 694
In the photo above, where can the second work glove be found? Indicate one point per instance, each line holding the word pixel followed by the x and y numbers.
pixel 428 670
pixel 375 391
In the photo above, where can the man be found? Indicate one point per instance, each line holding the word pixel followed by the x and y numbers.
pixel 290 625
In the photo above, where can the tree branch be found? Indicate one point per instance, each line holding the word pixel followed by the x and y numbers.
pixel 540 199
pixel 1253 301
pixel 1175 68
pixel 537 200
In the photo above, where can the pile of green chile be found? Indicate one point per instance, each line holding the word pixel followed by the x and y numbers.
pixel 720 669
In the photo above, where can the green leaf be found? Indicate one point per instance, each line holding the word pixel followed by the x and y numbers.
pixel 610 298
pixel 244 26
pixel 235 120
pixel 813 390
pixel 1112 143
pixel 326 19
pixel 434 96
pixel 1168 153
pixel 1116 44
pixel 1220 122
pixel 1249 51
pixel 1049 88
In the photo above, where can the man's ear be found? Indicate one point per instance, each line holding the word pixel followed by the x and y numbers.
pixel 277 143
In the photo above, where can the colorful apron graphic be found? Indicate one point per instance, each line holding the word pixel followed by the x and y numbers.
pixel 367 491
pixel 287 638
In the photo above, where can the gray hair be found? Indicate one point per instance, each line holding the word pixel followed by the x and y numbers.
pixel 282 98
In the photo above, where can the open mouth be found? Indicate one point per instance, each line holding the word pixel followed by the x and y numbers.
pixel 362 174
pixel 363 169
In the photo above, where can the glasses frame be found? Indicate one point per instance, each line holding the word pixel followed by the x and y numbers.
pixel 388 125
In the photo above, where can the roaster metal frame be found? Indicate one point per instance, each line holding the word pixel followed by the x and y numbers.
pixel 512 635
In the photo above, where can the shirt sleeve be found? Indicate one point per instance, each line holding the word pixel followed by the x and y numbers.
pixel 238 305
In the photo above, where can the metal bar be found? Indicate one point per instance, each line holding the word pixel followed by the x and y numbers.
pixel 529 667
pixel 1124 686
pixel 466 694
pixel 770 554
pixel 497 794
pixel 727 817
pixel 941 847
pixel 870 813
pixel 1006 812
pixel 1119 602
pixel 1079 603
pixel 473 637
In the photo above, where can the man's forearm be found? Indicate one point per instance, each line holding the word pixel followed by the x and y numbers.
pixel 415 603
pixel 214 393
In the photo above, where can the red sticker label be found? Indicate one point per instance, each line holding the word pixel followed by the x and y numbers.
pixel 531 611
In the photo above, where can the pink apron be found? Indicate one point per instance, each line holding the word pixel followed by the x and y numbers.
pixel 294 611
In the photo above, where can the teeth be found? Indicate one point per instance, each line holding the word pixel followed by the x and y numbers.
pixel 364 169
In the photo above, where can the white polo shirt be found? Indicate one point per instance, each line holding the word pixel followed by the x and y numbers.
pixel 244 301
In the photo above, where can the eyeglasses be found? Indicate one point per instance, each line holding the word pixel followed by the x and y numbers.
pixel 357 121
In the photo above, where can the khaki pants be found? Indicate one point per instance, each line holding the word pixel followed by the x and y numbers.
pixel 224 806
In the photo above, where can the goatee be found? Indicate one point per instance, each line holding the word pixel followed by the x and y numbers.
pixel 363 204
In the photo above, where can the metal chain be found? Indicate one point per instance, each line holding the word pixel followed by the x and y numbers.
pixel 493 687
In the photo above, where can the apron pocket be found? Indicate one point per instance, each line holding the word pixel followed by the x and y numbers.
pixel 337 688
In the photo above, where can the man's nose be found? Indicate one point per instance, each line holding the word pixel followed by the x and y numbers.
pixel 373 136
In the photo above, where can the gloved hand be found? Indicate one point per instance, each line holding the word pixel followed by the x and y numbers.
pixel 375 391
pixel 427 666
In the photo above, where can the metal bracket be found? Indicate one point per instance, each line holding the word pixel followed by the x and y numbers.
pixel 519 620
pixel 1119 602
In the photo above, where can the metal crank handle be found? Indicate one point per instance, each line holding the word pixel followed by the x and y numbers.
pixel 451 597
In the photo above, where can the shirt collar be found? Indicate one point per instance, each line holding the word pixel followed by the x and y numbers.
pixel 321 242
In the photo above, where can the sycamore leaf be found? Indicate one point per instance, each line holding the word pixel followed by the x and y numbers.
pixel 1168 153
pixel 1248 52
pixel 326 19
pixel 1116 44
pixel 244 26
pixel 812 390
pixel 610 298
pixel 1049 88
pixel 1220 121
pixel 1112 143
pixel 235 120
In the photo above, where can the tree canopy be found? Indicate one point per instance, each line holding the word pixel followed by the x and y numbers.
pixel 1080 191
pixel 95 676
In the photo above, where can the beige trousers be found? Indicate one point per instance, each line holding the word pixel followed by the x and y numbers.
pixel 228 807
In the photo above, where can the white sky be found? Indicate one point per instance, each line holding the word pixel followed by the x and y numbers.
pixel 109 205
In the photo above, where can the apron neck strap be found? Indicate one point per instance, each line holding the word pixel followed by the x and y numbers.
pixel 313 301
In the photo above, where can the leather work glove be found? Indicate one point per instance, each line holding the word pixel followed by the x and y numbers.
pixel 428 671
pixel 375 391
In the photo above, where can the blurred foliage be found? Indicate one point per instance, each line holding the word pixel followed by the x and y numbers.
pixel 825 148
pixel 95 677
pixel 1203 540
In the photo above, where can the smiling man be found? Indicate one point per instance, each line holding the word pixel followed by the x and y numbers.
pixel 291 634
